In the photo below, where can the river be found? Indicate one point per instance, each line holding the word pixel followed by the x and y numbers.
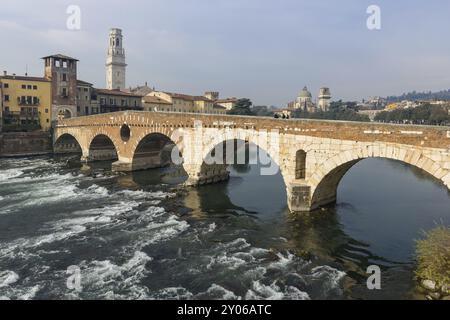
pixel 143 236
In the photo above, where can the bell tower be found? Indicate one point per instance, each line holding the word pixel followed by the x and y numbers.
pixel 115 62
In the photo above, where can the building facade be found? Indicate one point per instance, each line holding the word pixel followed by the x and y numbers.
pixel 115 62
pixel 61 70
pixel 87 102
pixel 228 103
pixel 116 100
pixel 176 102
pixel 26 101
pixel 304 101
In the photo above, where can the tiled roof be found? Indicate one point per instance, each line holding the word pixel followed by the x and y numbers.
pixel 187 97
pixel 25 78
pixel 60 56
pixel 153 99
pixel 227 100
pixel 83 83
pixel 117 93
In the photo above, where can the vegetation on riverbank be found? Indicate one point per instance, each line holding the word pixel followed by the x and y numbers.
pixel 433 256
pixel 426 114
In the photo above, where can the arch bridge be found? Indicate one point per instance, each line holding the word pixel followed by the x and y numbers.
pixel 312 155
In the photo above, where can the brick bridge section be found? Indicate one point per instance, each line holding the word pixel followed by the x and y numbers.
pixel 313 156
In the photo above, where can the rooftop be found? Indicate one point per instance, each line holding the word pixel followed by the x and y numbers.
pixel 187 97
pixel 226 100
pixel 153 99
pixel 116 92
pixel 24 78
pixel 84 83
pixel 60 56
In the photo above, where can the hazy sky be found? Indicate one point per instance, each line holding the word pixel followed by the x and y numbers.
pixel 264 50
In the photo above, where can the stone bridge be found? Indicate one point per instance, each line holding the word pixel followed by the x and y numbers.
pixel 312 156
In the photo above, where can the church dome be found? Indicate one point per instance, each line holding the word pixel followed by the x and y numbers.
pixel 305 93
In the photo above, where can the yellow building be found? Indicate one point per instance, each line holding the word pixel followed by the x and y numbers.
pixel 26 101
pixel 392 106
pixel 228 103
pixel 176 102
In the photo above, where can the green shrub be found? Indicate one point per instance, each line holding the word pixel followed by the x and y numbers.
pixel 433 255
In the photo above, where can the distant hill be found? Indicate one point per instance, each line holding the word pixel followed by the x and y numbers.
pixel 440 95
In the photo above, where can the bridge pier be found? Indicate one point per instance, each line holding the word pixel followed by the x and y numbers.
pixel 100 155
pixel 206 174
pixel 149 161
pixel 69 148
pixel 299 197
pixel 122 166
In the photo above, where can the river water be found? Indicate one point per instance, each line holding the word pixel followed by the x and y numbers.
pixel 143 236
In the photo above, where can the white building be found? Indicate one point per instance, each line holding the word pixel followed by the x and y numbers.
pixel 324 99
pixel 304 101
pixel 115 62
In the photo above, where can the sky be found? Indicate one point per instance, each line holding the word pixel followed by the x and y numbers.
pixel 260 49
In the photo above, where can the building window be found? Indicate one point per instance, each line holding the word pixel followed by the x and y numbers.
pixel 6 97
pixel 34 87
pixel 64 64
pixel 300 165
pixel 86 110
pixel 46 110
pixel 64 92
pixel 6 85
pixel 29 87
pixel 47 120
pixel 24 86
pixel 64 77
pixel 78 109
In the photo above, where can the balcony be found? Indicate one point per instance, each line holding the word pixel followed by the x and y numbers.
pixel 26 102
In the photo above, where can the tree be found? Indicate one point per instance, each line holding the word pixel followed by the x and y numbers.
pixel 262 111
pixel 424 114
pixel 242 108
pixel 338 111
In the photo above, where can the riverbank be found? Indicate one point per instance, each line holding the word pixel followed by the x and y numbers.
pixel 24 144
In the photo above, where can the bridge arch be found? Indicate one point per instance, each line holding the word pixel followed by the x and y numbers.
pixel 210 172
pixel 102 147
pixel 67 143
pixel 155 149
pixel 325 181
